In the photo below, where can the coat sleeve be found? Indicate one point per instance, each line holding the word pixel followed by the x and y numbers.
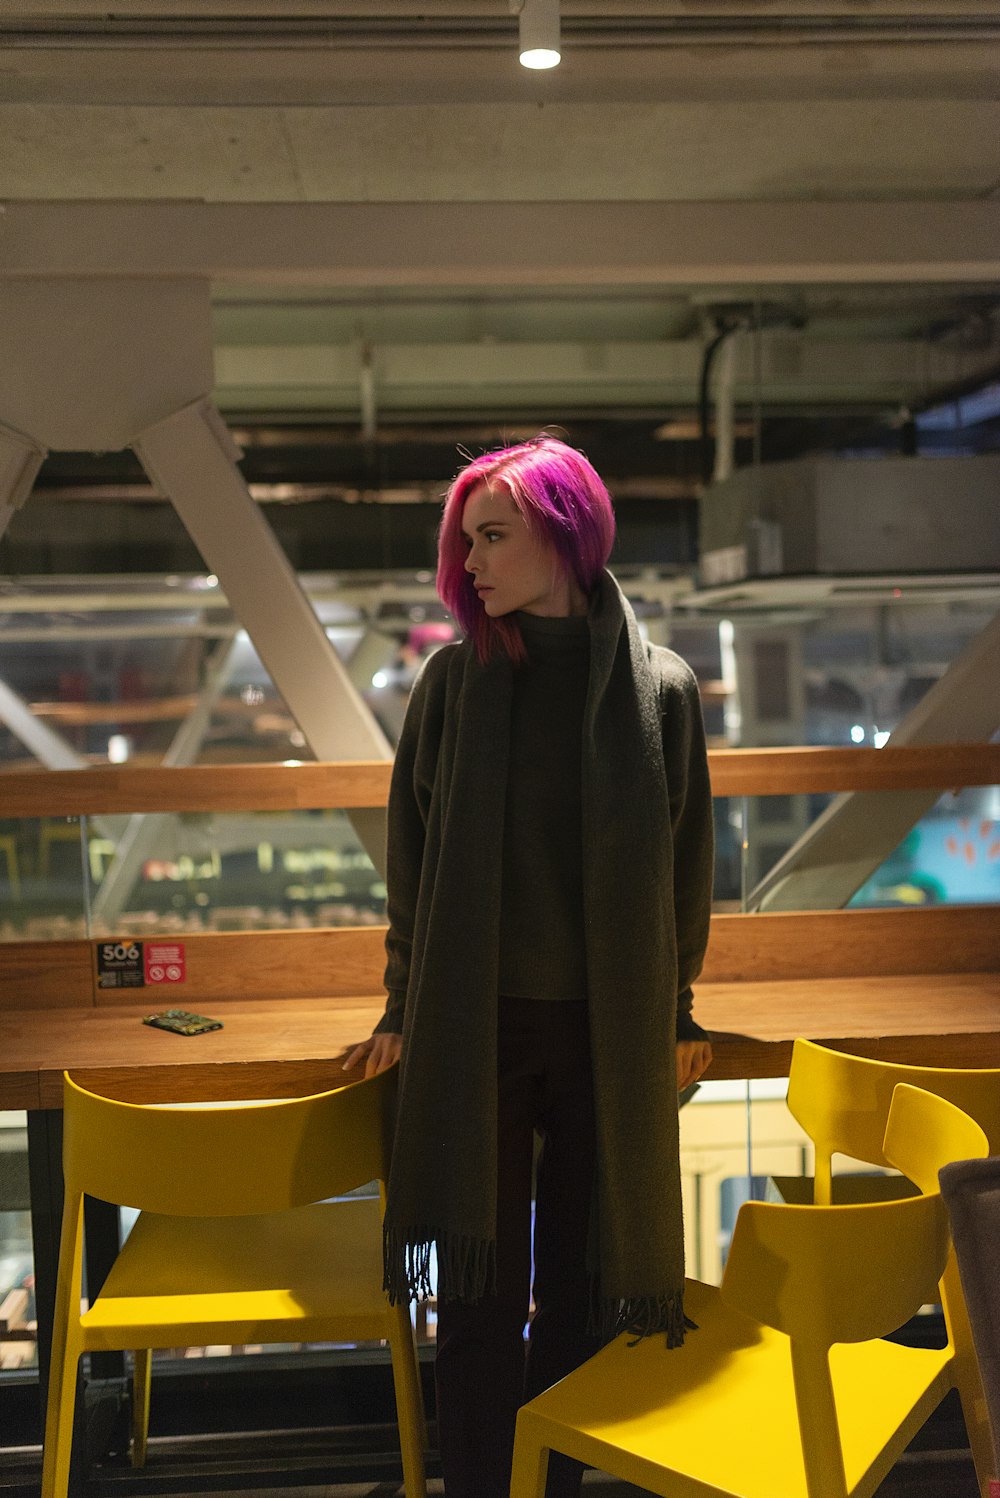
pixel 690 796
pixel 406 826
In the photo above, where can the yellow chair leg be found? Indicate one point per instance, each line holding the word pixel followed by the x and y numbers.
pixel 817 1410
pixel 142 1361
pixel 977 1421
pixel 409 1405
pixel 59 1416
pixel 531 1463
pixel 968 1380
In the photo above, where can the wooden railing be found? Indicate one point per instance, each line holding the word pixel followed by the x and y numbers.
pixel 277 787
pixel 344 961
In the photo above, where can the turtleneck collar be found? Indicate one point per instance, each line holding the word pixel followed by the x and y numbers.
pixel 554 641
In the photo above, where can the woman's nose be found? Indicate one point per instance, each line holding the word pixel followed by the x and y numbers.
pixel 471 561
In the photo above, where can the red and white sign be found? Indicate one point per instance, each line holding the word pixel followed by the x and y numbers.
pixel 164 962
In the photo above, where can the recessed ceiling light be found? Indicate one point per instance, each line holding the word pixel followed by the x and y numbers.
pixel 539 34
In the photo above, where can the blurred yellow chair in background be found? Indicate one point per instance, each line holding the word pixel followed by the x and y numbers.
pixel 235 1242
pixel 785 1390
pixel 8 847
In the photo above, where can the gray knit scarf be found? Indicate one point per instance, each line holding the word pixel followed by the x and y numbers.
pixel 442 1187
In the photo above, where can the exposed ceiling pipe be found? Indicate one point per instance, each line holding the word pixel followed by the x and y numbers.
pixel 369 410
pixel 725 406
pixel 725 329
pixel 395 25
pixel 727 321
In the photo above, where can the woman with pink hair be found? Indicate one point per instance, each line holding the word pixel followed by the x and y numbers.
pixel 549 884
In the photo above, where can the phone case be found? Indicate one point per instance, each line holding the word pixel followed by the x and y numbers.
pixel 182 1022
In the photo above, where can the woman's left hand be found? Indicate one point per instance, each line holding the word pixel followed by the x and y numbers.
pixel 693 1058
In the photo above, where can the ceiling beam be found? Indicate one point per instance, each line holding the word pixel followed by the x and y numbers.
pixel 385 52
pixel 506 244
pixel 793 369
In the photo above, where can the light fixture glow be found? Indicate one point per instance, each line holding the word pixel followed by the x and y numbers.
pixel 858 734
pixel 539 34
pixel 118 748
pixel 540 57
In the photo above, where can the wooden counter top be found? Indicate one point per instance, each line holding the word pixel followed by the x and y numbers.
pixel 284 1047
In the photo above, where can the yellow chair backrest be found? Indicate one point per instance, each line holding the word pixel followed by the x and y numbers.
pixel 227 1161
pixel 921 1136
pixel 843 1103
pixel 848 1274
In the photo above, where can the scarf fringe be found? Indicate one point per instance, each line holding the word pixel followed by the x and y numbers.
pixel 641 1316
pixel 466 1266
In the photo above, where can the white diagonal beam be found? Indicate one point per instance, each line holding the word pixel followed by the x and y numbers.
pixel 20 459
pixel 190 457
pixel 48 747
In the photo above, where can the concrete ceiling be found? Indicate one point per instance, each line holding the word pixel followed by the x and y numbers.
pixel 738 106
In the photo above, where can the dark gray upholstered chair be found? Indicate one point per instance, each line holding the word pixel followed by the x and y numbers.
pixel 971 1191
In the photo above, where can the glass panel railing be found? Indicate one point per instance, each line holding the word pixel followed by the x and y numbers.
pixel 179 874
pixel 872 848
pixel 44 876
pixel 950 857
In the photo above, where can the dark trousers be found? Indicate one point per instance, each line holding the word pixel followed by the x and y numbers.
pixel 483 1372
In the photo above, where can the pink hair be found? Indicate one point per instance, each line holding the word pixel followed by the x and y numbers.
pixel 563 502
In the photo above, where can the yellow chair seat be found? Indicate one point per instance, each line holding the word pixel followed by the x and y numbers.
pixel 721 1414
pixel 243 1267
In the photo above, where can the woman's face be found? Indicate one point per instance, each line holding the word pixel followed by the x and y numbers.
pixel 511 568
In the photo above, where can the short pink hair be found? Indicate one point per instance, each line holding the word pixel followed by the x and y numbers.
pixel 563 502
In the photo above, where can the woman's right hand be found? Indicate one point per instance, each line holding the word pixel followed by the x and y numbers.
pixel 378 1053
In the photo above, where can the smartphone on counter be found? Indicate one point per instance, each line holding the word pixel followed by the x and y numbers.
pixel 182 1022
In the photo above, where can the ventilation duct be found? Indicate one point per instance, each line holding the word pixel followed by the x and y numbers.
pixel 844 517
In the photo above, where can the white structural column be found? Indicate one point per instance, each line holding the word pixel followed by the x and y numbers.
pixel 859 830
pixel 20 459
pixel 138 840
pixel 191 458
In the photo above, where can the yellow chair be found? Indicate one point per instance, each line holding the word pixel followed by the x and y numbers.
pixel 843 1103
pixel 235 1242
pixel 785 1390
